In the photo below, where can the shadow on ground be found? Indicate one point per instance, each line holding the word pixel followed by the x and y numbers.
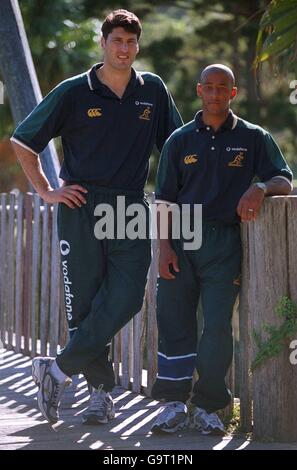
pixel 23 427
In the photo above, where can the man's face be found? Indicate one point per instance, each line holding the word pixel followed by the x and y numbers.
pixel 120 48
pixel 216 92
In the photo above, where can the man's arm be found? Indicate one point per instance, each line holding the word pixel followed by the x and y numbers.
pixel 167 256
pixel 166 193
pixel 271 168
pixel 72 195
pixel 250 203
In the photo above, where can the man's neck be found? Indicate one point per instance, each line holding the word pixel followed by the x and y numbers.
pixel 116 80
pixel 214 120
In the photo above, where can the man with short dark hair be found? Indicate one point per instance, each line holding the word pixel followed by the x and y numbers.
pixel 109 119
pixel 212 161
pixel 121 19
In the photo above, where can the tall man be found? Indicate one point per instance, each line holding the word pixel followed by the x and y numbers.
pixel 109 119
pixel 210 161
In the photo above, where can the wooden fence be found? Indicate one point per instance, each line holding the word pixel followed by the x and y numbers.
pixel 268 398
pixel 32 316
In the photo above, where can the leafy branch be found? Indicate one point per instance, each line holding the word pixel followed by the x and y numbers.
pixel 277 34
pixel 278 336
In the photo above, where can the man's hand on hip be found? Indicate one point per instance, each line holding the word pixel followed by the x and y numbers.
pixel 71 195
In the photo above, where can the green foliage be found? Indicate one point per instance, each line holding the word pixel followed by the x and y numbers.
pixel 179 39
pixel 277 37
pixel 62 39
pixel 232 421
pixel 277 336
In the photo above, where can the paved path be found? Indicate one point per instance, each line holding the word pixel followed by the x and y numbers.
pixel 22 427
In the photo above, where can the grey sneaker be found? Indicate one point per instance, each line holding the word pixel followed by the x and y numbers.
pixel 100 409
pixel 206 423
pixel 171 418
pixel 50 390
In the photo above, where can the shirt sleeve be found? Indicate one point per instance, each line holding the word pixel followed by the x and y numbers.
pixel 47 120
pixel 167 182
pixel 270 161
pixel 169 117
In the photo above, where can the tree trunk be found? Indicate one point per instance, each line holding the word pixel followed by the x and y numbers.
pixel 20 78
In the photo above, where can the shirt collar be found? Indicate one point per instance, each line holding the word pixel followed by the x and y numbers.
pixel 230 122
pixel 95 84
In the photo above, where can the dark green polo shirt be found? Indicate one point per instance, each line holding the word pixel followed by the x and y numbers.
pixel 104 138
pixel 198 165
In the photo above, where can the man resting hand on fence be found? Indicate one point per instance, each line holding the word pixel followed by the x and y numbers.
pixel 109 119
pixel 210 161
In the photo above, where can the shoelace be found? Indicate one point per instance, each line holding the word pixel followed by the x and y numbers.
pixel 98 401
pixel 169 408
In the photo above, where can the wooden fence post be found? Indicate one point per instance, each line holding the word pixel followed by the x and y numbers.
pixel 19 273
pixel 274 394
pixel 27 273
pixel 138 343
pixel 116 355
pixel 152 331
pixel 245 390
pixel 3 271
pixel 54 300
pixel 45 276
pixel 10 272
pixel 35 299
pixel 126 351
pixel 292 272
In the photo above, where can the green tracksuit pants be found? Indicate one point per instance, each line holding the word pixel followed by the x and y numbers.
pixel 211 272
pixel 104 282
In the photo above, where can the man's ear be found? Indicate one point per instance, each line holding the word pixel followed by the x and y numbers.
pixel 102 42
pixel 199 89
pixel 233 92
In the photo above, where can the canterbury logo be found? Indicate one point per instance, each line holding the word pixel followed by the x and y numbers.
pixel 191 159
pixel 94 112
pixel 238 160
pixel 146 114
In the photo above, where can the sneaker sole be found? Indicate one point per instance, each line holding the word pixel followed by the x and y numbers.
pixel 36 375
pixel 93 419
pixel 213 432
pixel 160 430
pixel 42 410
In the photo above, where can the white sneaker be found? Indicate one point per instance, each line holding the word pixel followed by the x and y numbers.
pixel 50 389
pixel 100 409
pixel 206 423
pixel 171 418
